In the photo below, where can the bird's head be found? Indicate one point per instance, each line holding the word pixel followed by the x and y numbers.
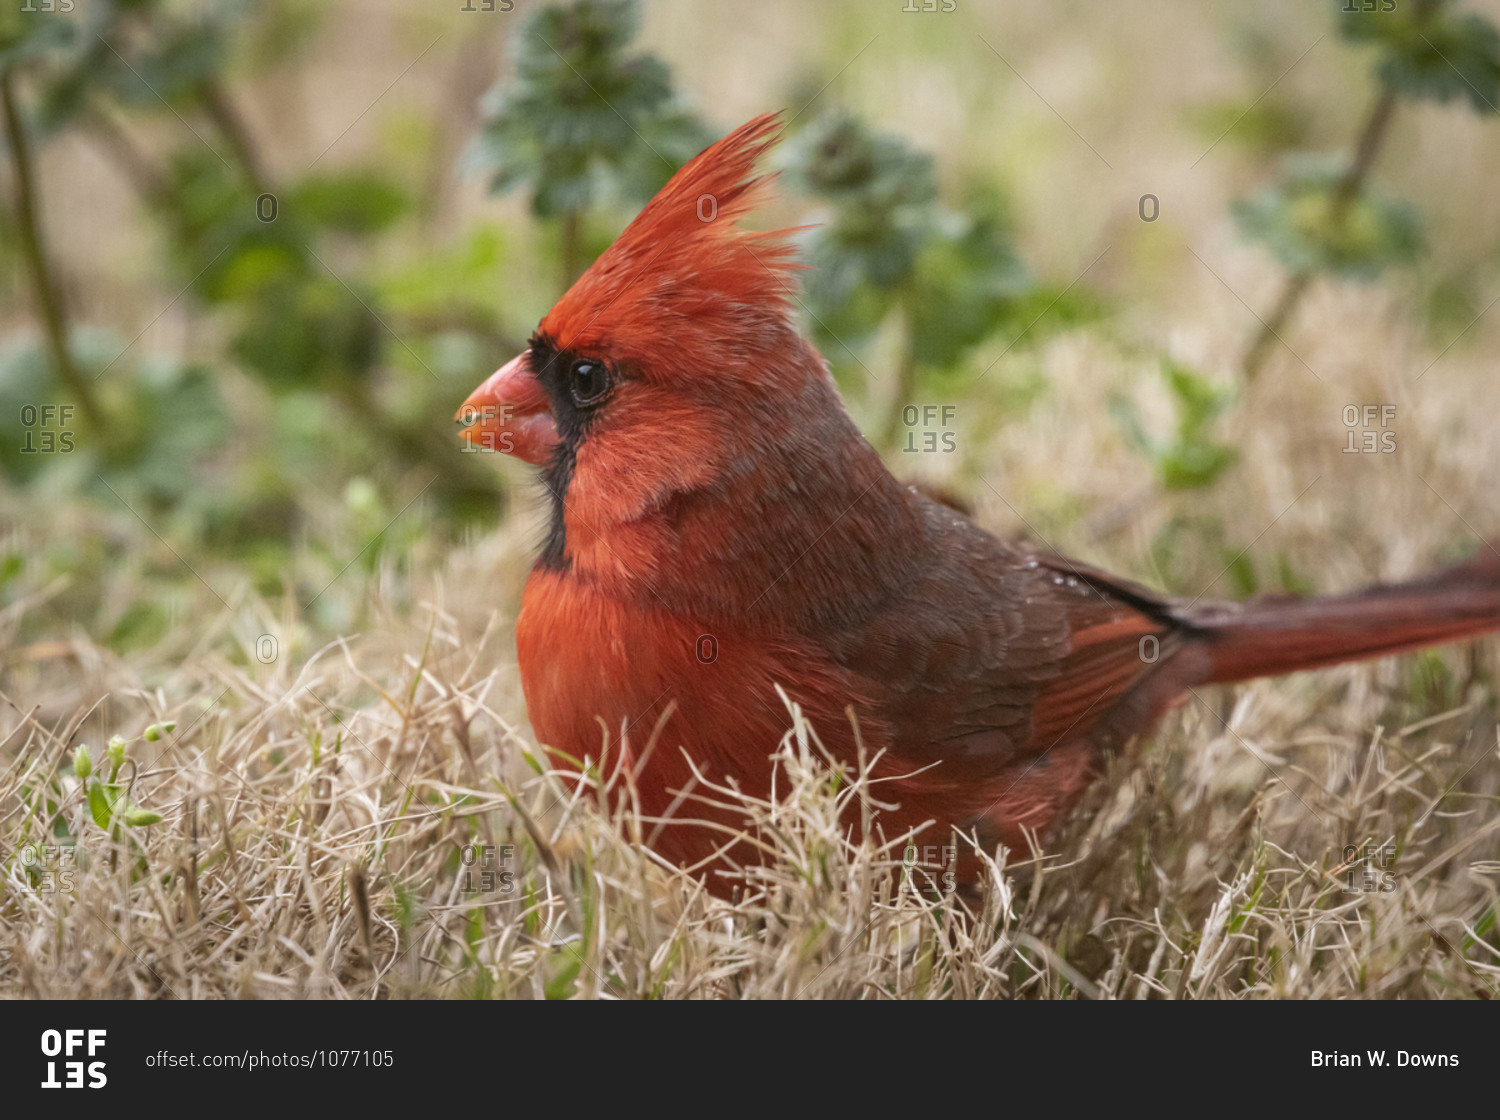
pixel 642 378
pixel 684 428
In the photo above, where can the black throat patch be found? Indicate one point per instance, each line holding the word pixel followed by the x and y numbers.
pixel 552 365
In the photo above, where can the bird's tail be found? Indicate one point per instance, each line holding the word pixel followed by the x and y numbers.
pixel 1272 635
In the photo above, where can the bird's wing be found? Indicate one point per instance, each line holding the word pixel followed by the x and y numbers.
pixel 995 654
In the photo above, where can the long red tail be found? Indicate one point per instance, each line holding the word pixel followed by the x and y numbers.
pixel 1272 635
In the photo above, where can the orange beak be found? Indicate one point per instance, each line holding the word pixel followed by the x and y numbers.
pixel 510 413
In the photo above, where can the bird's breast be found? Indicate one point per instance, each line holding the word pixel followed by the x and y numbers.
pixel 683 704
pixel 602 673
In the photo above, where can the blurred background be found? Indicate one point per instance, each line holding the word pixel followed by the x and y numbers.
pixel 1200 291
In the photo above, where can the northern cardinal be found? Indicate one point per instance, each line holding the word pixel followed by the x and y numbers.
pixel 719 527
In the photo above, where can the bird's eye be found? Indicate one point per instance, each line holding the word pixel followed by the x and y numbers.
pixel 590 381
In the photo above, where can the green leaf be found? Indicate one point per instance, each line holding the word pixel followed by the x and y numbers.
pixel 1302 222
pixel 1199 400
pixel 459 279
pixel 181 51
pixel 1192 466
pixel 1432 685
pixel 566 964
pixel 351 201
pixel 1458 58
pixel 101 804
pixel 1192 459
pixel 1265 125
pixel 25 35
pixel 583 121
pixel 1240 569
pixel 142 624
pixel 966 281
pixel 253 268
pixel 883 192
pixel 308 333
pixel 1428 51
pixel 1481 928
pixel 83 764
pixel 1124 413
pixel 140 818
pixel 404 908
pixel 474 927
pixel 888 244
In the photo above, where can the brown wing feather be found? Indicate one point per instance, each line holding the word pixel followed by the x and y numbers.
pixel 996 653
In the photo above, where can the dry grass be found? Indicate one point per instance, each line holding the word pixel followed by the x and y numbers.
pixel 318 820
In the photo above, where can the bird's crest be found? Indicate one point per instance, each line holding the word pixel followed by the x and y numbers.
pixel 683 263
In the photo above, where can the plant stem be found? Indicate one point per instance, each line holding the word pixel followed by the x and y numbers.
pixel 1272 328
pixel 49 300
pixel 118 147
pixel 1372 136
pixel 226 118
pixel 906 386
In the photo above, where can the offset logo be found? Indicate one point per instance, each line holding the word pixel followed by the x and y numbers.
pixel 930 868
pixel 928 428
pixel 44 429
pixel 493 873
pixel 66 1044
pixel 1372 865
pixel 48 868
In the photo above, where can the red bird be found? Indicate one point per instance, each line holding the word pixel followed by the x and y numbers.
pixel 719 527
